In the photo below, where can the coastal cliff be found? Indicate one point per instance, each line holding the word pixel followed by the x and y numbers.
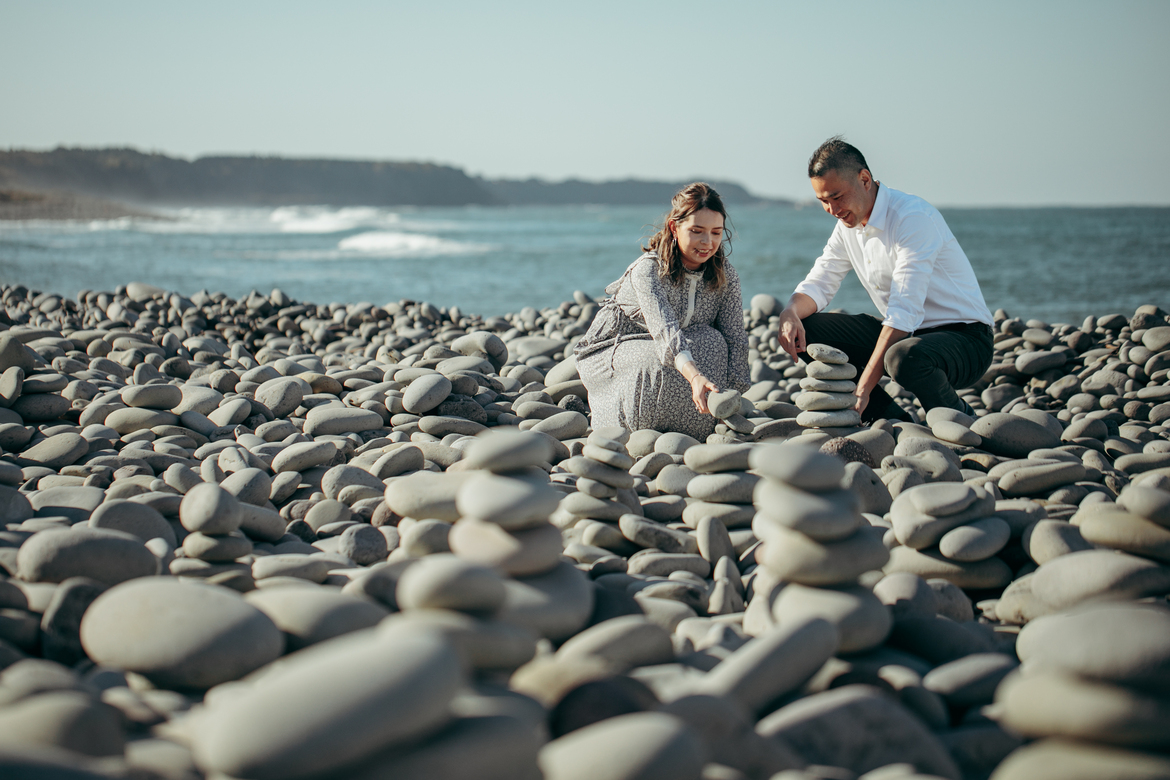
pixel 102 180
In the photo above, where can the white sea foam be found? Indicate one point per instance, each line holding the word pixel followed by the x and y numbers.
pixel 312 219
pixel 383 243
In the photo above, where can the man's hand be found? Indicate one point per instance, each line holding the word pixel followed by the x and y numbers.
pixel 792 336
pixel 862 394
pixel 700 387
pixel 875 368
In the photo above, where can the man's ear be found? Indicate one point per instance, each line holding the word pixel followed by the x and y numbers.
pixel 866 177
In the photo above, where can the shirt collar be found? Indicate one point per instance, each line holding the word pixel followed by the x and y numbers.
pixel 881 209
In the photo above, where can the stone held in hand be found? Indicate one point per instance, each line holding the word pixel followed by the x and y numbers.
pixel 724 403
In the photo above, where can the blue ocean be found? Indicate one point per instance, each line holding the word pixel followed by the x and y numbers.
pixel 1051 264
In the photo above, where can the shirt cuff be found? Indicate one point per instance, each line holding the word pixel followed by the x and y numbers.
pixel 814 292
pixel 682 359
pixel 900 320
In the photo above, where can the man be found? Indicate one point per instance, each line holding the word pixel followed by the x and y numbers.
pixel 935 333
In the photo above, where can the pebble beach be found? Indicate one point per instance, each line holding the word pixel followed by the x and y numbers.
pixel 270 539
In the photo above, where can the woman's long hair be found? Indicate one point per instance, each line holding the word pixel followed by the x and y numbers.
pixel 690 199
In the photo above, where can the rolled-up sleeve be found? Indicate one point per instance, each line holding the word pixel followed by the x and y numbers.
pixel 827 272
pixel 729 322
pixel 916 248
pixel 661 322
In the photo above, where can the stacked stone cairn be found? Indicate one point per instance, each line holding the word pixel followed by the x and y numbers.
pixel 814 540
pixel 826 399
pixel 1092 691
pixel 399 602
pixel 603 491
pixel 949 530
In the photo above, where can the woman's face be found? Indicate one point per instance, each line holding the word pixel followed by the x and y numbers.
pixel 698 237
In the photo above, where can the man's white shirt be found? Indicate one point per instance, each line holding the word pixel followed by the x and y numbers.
pixel 908 261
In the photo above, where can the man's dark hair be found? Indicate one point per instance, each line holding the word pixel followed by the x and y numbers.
pixel 836 154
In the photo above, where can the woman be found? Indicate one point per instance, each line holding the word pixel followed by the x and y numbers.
pixel 671 331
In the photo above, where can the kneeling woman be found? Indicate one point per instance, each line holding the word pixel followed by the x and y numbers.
pixel 671 331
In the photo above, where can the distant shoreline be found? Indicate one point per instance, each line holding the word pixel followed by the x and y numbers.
pixel 19 205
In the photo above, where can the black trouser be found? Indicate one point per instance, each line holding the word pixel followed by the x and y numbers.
pixel 930 362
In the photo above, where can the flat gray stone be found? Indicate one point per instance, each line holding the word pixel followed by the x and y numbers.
pixel 129 420
pixel 670 443
pixel 841 418
pixel 425 393
pixel 819 370
pixel 344 475
pixel 1084 642
pixel 303 456
pixel 942 499
pixel 975 541
pixel 1013 436
pixel 223 548
pixel 282 395
pixel 794 557
pixel 647 533
pixel 826 354
pixel 308 616
pixel 729 487
pixel 445 581
pixel 398 461
pixel 1063 706
pixel 772 665
pixel 252 486
pixel 860 728
pixel 232 411
pixel 367 695
pixel 800 467
pixel 862 621
pixel 555 605
pixel 55 452
pixel 648 745
pixel 826 517
pixel 179 634
pixel 135 518
pixel 712 458
pixel 1147 502
pixel 724 404
pixel 152 396
pixel 200 399
pixel 513 502
pixel 426 494
pixel 599 472
pixel 208 508
pixel 930 564
pixel 338 420
pixel 110 557
pixel 815 401
pixel 1040 478
pixel 565 425
pixel 521 553
pixel 503 451
pixel 14 506
pixel 303 567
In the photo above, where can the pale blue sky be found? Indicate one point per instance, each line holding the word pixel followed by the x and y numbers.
pixel 988 103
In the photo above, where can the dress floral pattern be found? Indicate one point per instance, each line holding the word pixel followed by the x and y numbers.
pixel 627 358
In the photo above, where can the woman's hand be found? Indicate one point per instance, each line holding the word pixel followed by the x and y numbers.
pixel 700 387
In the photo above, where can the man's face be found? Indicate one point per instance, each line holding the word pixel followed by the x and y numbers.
pixel 847 196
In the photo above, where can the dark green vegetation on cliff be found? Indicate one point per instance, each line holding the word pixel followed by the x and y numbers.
pixel 131 176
